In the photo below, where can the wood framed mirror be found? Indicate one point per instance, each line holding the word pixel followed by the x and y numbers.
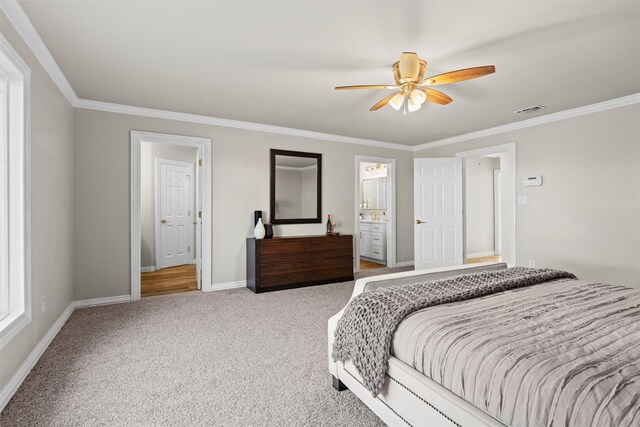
pixel 296 187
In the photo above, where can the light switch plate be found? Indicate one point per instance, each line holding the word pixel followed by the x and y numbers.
pixel 522 200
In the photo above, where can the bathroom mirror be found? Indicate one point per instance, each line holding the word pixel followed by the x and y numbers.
pixel 296 187
pixel 374 193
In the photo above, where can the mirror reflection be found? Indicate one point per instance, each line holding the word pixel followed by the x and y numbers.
pixel 295 187
pixel 374 193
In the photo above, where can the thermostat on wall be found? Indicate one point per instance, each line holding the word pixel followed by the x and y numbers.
pixel 533 181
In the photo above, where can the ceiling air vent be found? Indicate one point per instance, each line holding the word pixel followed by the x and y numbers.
pixel 529 110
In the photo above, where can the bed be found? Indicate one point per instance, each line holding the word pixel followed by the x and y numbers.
pixel 558 352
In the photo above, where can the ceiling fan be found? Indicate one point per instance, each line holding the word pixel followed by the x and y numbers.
pixel 408 73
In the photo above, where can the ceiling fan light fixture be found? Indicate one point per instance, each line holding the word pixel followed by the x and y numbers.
pixel 396 101
pixel 418 97
pixel 408 74
pixel 413 106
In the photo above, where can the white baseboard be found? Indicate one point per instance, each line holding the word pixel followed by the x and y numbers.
pixel 404 263
pixel 33 357
pixel 227 285
pixel 102 301
pixel 148 269
pixel 480 254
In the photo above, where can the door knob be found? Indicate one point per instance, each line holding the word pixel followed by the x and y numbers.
pixel 163 221
pixel 420 222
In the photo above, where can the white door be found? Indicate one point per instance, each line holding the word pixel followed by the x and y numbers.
pixel 173 208
pixel 438 227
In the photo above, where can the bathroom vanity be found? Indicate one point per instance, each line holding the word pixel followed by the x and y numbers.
pixel 373 240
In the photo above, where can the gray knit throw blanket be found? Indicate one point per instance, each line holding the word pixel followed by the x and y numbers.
pixel 365 330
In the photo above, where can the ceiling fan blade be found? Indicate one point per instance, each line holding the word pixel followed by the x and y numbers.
pixel 459 75
pixel 409 66
pixel 366 87
pixel 383 102
pixel 436 96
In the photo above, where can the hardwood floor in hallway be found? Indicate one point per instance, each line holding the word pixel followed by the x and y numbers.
pixel 170 280
pixel 368 265
pixel 493 258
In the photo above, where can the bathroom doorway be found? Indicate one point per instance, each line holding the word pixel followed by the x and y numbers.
pixel 375 213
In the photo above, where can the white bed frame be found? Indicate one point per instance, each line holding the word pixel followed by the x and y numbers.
pixel 408 397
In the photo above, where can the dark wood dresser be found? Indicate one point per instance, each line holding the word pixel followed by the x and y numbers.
pixel 291 262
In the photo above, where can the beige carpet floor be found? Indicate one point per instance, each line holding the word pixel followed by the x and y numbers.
pixel 227 358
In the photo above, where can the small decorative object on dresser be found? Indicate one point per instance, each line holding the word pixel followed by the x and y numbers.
pixel 259 231
pixel 293 262
pixel 268 231
pixel 329 225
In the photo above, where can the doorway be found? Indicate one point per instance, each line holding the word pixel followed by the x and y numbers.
pixel 489 204
pixel 170 227
pixel 482 208
pixel 375 241
pixel 169 219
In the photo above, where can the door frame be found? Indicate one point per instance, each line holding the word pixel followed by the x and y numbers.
pixel 206 193
pixel 391 208
pixel 510 149
pixel 497 214
pixel 191 203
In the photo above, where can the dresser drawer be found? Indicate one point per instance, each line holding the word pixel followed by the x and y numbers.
pixel 365 226
pixel 283 274
pixel 379 227
pixel 332 269
pixel 331 254
pixel 283 251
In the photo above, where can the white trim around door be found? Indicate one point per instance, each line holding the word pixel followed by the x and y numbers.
pixel 507 194
pixel 391 208
pixel 206 198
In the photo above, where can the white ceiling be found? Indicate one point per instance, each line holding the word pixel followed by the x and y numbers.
pixel 276 62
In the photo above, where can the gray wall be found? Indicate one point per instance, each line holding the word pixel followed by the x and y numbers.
pixel 586 216
pixel 149 152
pixel 479 215
pixel 240 185
pixel 52 213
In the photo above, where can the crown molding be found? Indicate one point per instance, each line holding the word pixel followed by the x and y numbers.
pixel 237 124
pixel 553 117
pixel 21 22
